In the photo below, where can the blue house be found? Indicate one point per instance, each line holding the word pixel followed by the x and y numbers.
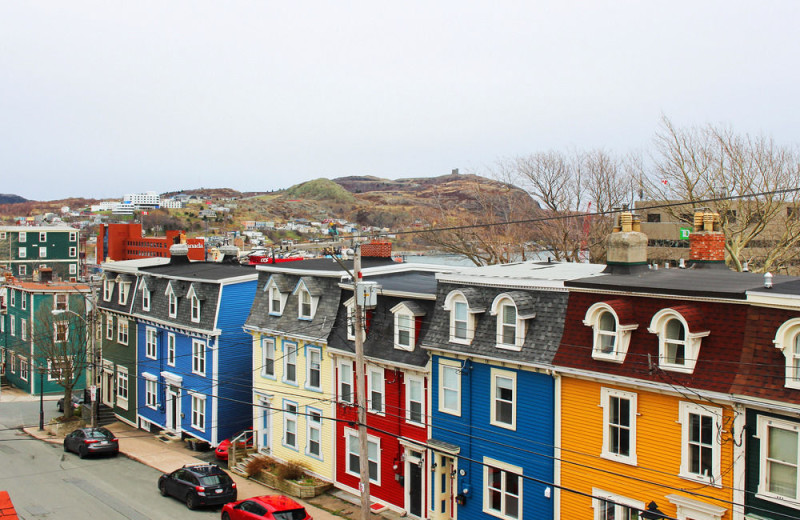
pixel 194 361
pixel 492 339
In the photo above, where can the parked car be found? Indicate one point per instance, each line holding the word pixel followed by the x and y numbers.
pixel 77 401
pixel 198 485
pixel 86 441
pixel 275 507
pixel 221 452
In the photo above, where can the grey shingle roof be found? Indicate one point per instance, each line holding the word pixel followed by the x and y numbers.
pixel 542 336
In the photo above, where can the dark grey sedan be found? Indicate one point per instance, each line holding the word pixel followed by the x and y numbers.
pixel 89 441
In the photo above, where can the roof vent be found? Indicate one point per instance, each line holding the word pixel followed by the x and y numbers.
pixel 681 264
pixel 230 254
pixel 768 280
pixel 179 254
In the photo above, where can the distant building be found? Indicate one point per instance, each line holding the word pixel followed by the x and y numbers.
pixel 125 242
pixel 27 249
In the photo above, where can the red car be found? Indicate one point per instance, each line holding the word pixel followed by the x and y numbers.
pixel 275 507
pixel 221 452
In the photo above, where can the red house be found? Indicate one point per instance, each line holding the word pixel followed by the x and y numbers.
pixel 125 242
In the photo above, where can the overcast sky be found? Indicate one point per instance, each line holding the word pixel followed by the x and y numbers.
pixel 103 98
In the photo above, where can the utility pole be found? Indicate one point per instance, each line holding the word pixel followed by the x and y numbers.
pixel 361 399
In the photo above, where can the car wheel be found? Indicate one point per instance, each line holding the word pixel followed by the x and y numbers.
pixel 65 447
pixel 82 453
pixel 162 487
pixel 226 516
pixel 191 500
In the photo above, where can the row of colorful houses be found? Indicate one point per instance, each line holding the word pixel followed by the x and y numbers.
pixel 536 389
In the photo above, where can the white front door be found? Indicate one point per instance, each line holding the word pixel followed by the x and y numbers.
pixel 108 388
pixel 263 424
pixel 173 411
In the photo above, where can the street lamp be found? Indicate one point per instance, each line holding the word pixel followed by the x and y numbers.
pixel 90 325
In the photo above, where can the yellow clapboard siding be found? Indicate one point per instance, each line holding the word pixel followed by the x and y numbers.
pixel 658 447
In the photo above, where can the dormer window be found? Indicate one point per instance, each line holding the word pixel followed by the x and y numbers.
pixel 612 327
pixel 124 287
pixel 678 338
pixel 463 307
pixel 108 289
pixel 512 310
pixel 172 302
pixel 145 298
pixel 277 293
pixel 787 340
pixel 405 324
pixel 308 294
pixel 195 302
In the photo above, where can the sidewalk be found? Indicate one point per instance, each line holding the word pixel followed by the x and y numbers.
pixel 144 447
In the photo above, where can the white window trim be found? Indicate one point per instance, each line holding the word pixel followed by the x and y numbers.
pixel 409 379
pixel 302 290
pixel 23 329
pixel 309 350
pixel 197 398
pixel 24 369
pixel 399 311
pixel 784 341
pixel 122 327
pixel 764 422
pixel 122 373
pixel 73 252
pixel 451 365
pixel 282 297
pixel 623 335
pixel 172 348
pixel 150 348
pixel 348 433
pixel 56 298
pixel 715 413
pixel 42 236
pixel 351 319
pixel 22 253
pixel 449 306
pixel 150 382
pixel 22 237
pixel 520 324
pixel 204 349
pixel 605 395
pixel 495 374
pixel 109 327
pixel 376 374
pixel 290 417
pixel 195 309
pixel 23 300
pixel 73 236
pixel 266 355
pixel 108 289
pixel 692 342
pixel 605 496
pixel 171 297
pixel 349 365
pixel 43 252
pixel 509 468
pixel 146 296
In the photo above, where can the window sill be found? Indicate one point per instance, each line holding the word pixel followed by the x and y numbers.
pixel 630 461
pixel 505 426
pixel 777 499
pixel 715 481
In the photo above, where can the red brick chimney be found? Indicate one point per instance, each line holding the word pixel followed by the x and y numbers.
pixel 377 249
pixel 707 242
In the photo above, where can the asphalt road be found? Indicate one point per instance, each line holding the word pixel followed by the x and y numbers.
pixel 44 482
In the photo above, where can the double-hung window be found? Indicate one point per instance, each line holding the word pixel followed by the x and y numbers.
pixel 314 433
pixel 373 455
pixel 199 412
pixel 171 349
pixel 290 424
pixel 502 495
pixel 43 252
pixel 23 329
pixel 346 382
pixel 459 320
pixel 23 368
pixel 414 400
pixel 450 387
pixel 619 425
pixel 109 326
pixel 376 390
pixel 151 393
pixel 507 325
pixel 268 357
pixel 122 384
pixel 779 475
pixel 172 303
pixel 108 289
pixel 61 330
pixel 275 300
pixel 313 369
pixel 504 399
pixel 24 301
pixel 608 506
pixel 199 357
pixel 61 302
pixel 700 442
pixel 151 343
pixel 290 363
pixel 304 302
pixel 145 299
pixel 122 330
pixel 195 309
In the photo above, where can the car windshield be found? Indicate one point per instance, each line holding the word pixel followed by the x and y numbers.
pixel 292 514
pixel 214 480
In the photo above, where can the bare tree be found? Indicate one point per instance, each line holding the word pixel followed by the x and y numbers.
pixel 714 163
pixel 60 342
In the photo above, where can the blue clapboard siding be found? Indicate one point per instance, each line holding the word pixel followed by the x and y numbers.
pixel 529 447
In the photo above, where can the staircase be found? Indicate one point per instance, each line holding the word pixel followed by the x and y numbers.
pixel 239 467
pixel 105 415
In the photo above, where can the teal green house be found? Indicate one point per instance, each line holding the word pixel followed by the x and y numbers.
pixel 44 335
pixel 26 250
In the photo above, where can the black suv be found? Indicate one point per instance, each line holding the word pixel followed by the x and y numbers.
pixel 198 485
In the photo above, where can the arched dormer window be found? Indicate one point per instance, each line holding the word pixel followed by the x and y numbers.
pixel 463 308
pixel 405 324
pixel 512 309
pixel 787 340
pixel 679 337
pixel 612 327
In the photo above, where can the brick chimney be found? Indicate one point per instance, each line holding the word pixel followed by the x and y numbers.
pixel 626 246
pixel 376 249
pixel 707 242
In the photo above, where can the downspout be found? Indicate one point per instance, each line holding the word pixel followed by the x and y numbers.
pixel 739 461
pixel 556 444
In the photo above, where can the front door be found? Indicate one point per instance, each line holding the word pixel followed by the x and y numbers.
pixel 173 410
pixel 442 485
pixel 263 422
pixel 413 483
pixel 108 388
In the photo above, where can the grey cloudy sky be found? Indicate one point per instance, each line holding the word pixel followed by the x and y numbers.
pixel 100 98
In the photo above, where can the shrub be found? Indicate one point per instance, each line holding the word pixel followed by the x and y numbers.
pixel 257 464
pixel 292 470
